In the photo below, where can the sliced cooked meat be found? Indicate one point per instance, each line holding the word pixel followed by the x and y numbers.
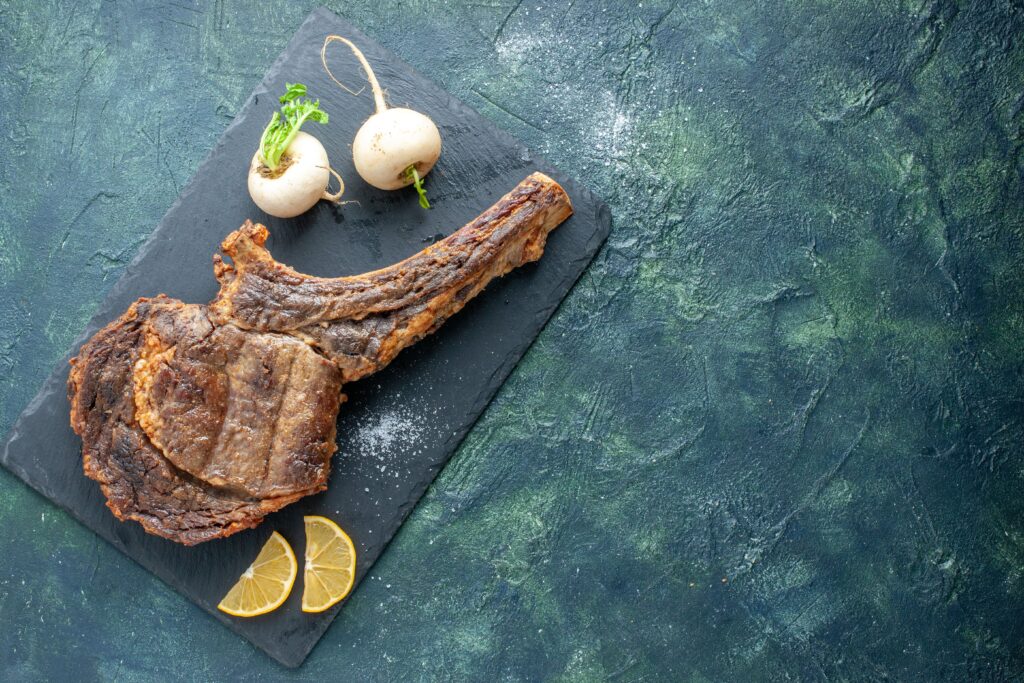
pixel 198 421
pixel 249 411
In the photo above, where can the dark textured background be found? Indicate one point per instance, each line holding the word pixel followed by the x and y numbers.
pixel 775 430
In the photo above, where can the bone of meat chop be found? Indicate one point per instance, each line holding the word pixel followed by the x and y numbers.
pixel 199 420
pixel 362 322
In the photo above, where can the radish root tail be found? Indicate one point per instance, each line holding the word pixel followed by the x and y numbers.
pixel 334 196
pixel 378 94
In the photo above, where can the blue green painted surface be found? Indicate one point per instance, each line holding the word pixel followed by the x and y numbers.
pixel 774 432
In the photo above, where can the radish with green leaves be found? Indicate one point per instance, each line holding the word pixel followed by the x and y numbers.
pixel 396 147
pixel 290 172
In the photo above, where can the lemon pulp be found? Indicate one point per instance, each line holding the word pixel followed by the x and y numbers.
pixel 330 568
pixel 265 585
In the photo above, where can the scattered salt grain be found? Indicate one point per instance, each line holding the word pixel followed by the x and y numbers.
pixel 387 435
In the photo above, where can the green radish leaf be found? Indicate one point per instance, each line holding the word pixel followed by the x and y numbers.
pixel 318 115
pixel 285 124
pixel 417 182
pixel 293 91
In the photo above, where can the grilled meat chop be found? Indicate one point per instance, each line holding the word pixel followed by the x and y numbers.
pixel 199 420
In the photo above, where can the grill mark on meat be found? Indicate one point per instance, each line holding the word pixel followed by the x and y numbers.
pixel 198 421
pixel 218 444
pixel 279 413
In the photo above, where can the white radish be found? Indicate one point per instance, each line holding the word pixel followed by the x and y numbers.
pixel 298 183
pixel 396 147
pixel 290 171
pixel 390 143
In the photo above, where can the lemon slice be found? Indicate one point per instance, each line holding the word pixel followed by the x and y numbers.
pixel 330 564
pixel 265 585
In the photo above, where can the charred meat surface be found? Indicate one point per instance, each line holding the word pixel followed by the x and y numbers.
pixel 199 420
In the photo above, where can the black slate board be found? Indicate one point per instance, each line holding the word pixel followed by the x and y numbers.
pixel 399 426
